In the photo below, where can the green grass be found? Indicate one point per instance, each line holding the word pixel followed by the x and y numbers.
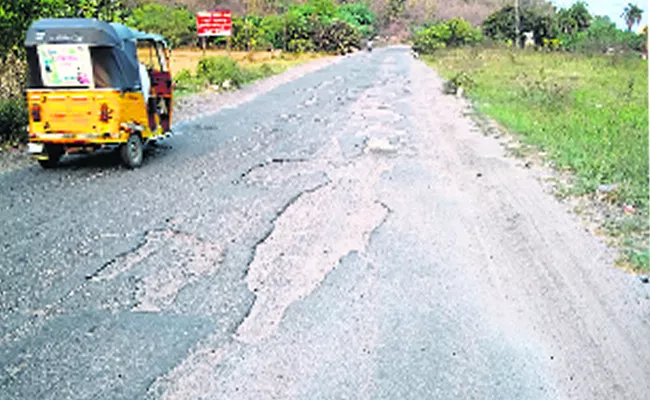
pixel 589 114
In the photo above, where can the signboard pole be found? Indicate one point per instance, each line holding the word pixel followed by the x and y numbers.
pixel 203 44
pixel 228 44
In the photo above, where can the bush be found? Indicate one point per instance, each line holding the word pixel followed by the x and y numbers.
pixel 460 80
pixel 186 82
pixel 297 25
pixel 13 120
pixel 255 73
pixel 13 70
pixel 253 34
pixel 238 38
pixel 217 70
pixel 428 40
pixel 300 45
pixel 462 33
pixel 337 37
pixel 453 33
pixel 176 24
pixel 273 32
pixel 258 33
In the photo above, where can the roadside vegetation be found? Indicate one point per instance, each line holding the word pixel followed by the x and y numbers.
pixel 221 70
pixel 573 87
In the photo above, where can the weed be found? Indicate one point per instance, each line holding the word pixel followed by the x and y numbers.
pixel 626 225
pixel 541 90
pixel 460 80
pixel 636 259
pixel 217 70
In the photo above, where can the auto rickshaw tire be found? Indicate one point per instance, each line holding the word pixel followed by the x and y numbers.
pixel 132 152
pixel 54 154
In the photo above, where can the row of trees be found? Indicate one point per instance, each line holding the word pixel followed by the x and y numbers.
pixel 320 25
pixel 572 29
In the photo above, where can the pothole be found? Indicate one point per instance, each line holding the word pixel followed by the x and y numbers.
pixel 168 260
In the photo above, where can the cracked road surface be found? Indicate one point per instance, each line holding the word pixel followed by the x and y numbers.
pixel 350 234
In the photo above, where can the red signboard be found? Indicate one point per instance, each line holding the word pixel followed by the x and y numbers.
pixel 214 23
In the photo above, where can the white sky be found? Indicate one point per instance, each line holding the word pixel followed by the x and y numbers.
pixel 611 8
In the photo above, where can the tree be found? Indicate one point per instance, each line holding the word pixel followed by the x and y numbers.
pixel 176 24
pixel 543 26
pixel 575 19
pixel 453 33
pixel 501 26
pixel 17 15
pixel 632 15
pixel 359 16
pixel 396 9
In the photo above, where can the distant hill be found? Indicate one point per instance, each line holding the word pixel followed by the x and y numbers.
pixel 474 11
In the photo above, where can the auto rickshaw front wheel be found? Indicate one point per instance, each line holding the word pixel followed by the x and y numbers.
pixel 54 154
pixel 132 152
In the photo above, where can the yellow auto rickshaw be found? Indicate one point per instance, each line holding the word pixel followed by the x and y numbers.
pixel 87 89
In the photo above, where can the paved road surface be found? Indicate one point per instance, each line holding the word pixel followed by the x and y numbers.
pixel 348 235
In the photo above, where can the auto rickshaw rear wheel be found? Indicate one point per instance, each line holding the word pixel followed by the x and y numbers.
pixel 132 152
pixel 54 154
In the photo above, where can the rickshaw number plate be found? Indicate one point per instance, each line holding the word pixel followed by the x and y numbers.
pixel 34 148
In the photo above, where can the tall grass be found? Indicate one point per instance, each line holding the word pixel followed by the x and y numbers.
pixel 590 114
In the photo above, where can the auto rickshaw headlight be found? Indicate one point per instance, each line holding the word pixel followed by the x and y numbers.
pixel 36 112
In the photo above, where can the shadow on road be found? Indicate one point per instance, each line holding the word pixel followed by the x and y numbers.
pixel 109 159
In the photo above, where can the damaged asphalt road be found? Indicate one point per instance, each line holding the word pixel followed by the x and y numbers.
pixel 328 239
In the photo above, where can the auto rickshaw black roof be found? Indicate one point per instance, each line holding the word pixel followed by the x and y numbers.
pixel 92 32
